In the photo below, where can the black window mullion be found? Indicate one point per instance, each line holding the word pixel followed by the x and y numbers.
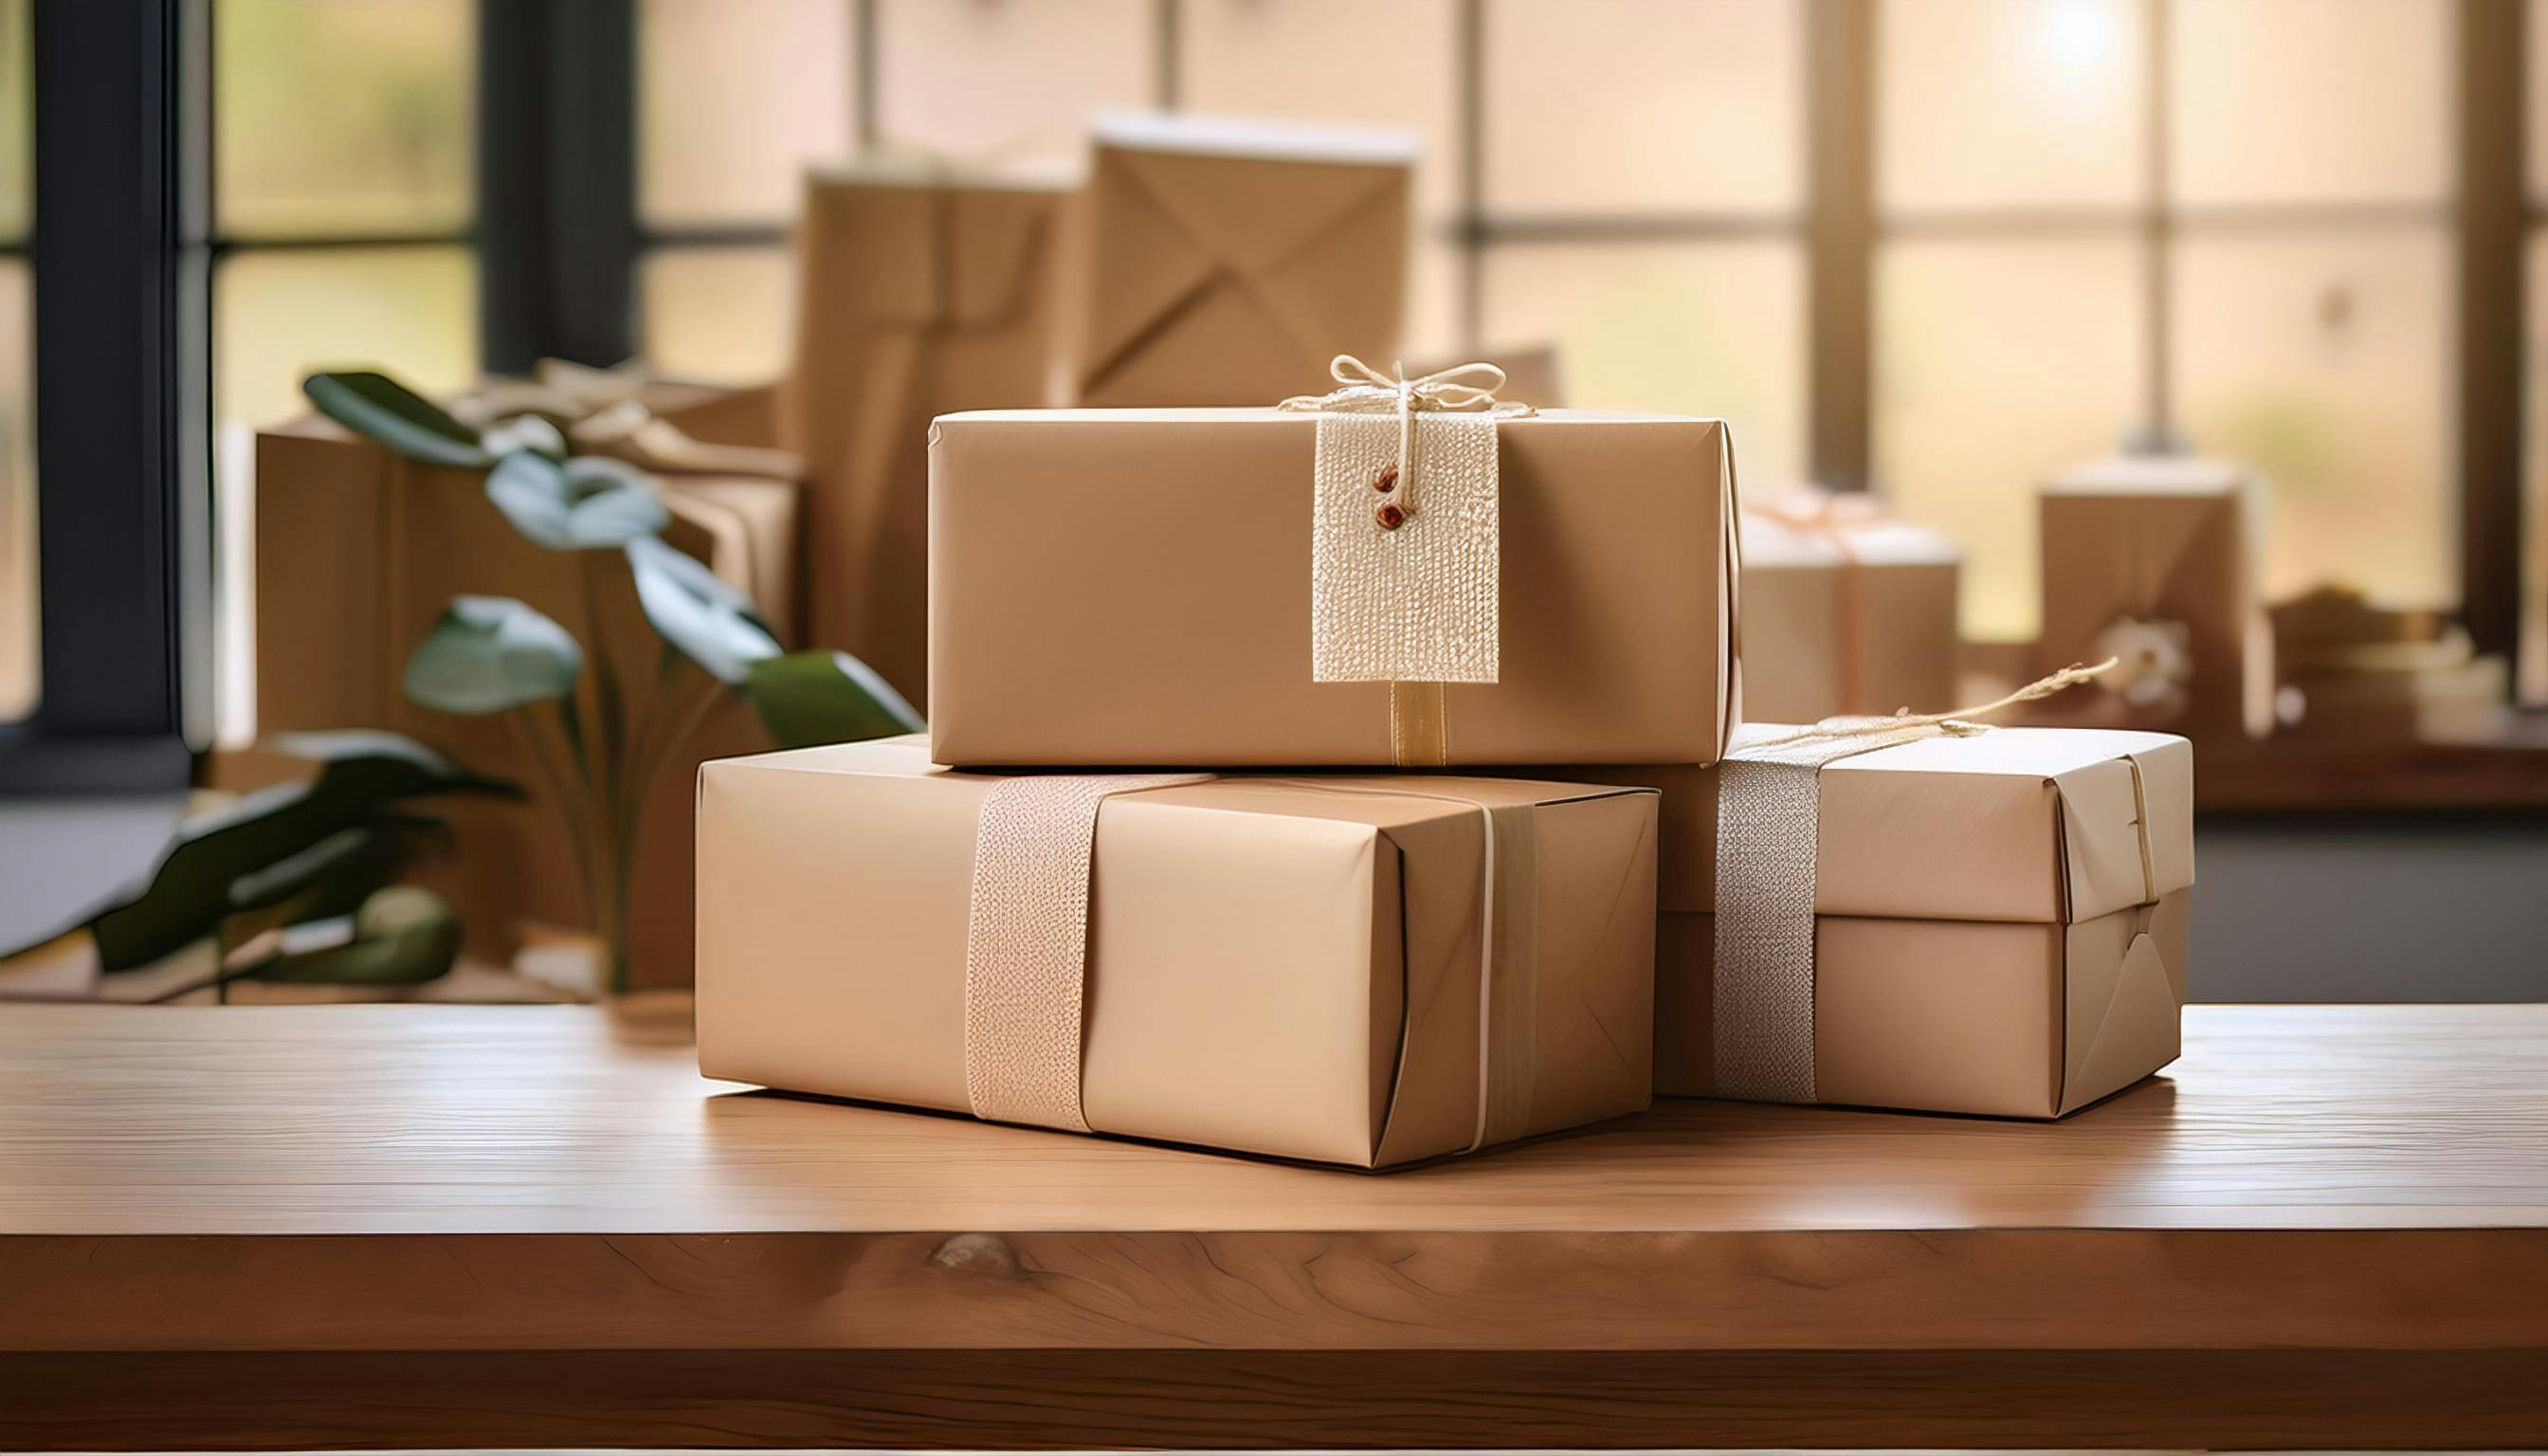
pixel 2491 316
pixel 557 181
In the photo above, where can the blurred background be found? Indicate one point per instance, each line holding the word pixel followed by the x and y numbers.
pixel 1939 249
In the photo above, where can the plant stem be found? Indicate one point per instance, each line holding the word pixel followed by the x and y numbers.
pixel 567 787
pixel 611 706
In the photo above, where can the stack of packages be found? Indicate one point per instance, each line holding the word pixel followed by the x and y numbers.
pixel 1291 782
pixel 2353 672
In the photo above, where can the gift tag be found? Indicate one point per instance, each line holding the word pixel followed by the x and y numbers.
pixel 1404 564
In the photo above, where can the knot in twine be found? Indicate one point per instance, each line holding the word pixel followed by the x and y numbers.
pixel 1820 511
pixel 1462 388
pixel 1959 723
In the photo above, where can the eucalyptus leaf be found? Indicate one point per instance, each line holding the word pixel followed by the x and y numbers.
pixel 581 505
pixel 530 432
pixel 402 935
pixel 491 655
pixel 806 699
pixel 388 413
pixel 198 881
pixel 702 616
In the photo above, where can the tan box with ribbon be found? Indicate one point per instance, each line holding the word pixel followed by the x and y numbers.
pixel 1419 577
pixel 1368 971
pixel 2153 560
pixel 1226 260
pixel 1990 922
pixel 922 288
pixel 1847 610
pixel 358 552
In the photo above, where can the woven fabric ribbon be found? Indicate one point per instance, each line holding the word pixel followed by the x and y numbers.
pixel 1405 563
pixel 1769 822
pixel 1026 948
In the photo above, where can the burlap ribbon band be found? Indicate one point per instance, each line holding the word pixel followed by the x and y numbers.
pixel 1026 949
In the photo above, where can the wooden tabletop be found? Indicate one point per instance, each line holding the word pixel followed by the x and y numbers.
pixel 536 1226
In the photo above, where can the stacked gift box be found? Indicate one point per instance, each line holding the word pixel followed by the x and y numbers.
pixel 1362 776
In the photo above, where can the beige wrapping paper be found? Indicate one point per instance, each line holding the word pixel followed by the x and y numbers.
pixel 358 552
pixel 2153 559
pixel 1985 938
pixel 1228 261
pixel 921 289
pixel 1131 588
pixel 1278 965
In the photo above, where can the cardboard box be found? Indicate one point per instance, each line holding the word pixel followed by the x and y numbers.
pixel 1228 261
pixel 1133 587
pixel 1847 610
pixel 1985 940
pixel 358 552
pixel 921 290
pixel 1286 967
pixel 2153 559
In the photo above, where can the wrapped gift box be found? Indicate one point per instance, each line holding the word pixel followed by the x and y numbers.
pixel 1300 967
pixel 358 551
pixel 1133 587
pixel 921 289
pixel 1228 261
pixel 1988 935
pixel 2153 560
pixel 1846 610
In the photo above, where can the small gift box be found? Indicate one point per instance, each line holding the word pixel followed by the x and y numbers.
pixel 1332 585
pixel 359 551
pixel 921 289
pixel 2151 560
pixel 1359 970
pixel 1226 260
pixel 1990 921
pixel 1847 610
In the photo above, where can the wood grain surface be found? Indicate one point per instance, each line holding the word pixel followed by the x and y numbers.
pixel 293 1226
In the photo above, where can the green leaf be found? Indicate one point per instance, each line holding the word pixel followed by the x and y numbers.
pixel 704 617
pixel 402 935
pixel 199 880
pixel 582 504
pixel 811 697
pixel 490 655
pixel 393 416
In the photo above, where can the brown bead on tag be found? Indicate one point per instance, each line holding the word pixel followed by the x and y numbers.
pixel 1387 480
pixel 1390 516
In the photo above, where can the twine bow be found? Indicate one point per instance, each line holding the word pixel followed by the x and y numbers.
pixel 1363 389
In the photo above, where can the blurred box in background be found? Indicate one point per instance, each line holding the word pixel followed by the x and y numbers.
pixel 1846 609
pixel 1228 261
pixel 2153 560
pixel 923 290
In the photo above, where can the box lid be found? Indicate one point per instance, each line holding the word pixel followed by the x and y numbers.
pixel 2151 475
pixel 1772 544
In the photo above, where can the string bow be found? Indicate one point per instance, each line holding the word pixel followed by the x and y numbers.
pixel 1462 388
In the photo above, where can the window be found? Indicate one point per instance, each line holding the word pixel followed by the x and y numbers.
pixel 341 216
pixel 2227 223
pixel 19 644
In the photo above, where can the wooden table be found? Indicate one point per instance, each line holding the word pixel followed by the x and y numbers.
pixel 528 1226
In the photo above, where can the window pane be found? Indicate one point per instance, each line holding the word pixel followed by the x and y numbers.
pixel 2326 362
pixel 17 118
pixel 349 117
pixel 277 315
pixel 1644 105
pixel 1436 278
pixel 2332 101
pixel 2535 33
pixel 1984 104
pixel 718 314
pixel 1996 364
pixel 1010 82
pixel 1696 329
pixel 18 653
pixel 731 112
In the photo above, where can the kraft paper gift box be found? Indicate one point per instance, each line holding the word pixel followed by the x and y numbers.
pixel 358 551
pixel 1999 922
pixel 2153 560
pixel 1846 610
pixel 1368 971
pixel 921 290
pixel 1225 262
pixel 1135 588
